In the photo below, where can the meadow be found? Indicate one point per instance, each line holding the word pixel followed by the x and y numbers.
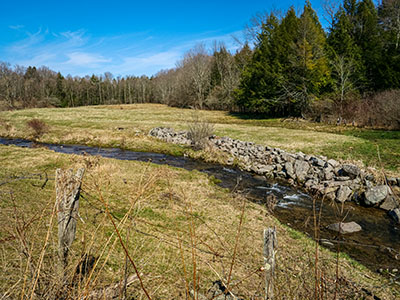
pixel 126 126
pixel 182 231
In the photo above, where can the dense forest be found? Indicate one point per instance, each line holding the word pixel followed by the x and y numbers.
pixel 290 66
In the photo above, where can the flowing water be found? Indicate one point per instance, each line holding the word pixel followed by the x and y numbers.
pixel 376 246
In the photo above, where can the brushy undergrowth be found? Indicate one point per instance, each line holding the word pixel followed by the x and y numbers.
pixel 181 231
pixel 38 128
pixel 199 130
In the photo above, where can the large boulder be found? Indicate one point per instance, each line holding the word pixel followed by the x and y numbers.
pixel 351 170
pixel 301 168
pixel 345 228
pixel 389 203
pixel 375 195
pixel 333 163
pixel 328 172
pixel 343 193
pixel 317 161
pixel 266 169
pixel 289 170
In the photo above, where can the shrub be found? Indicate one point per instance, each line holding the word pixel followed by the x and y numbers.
pixel 199 132
pixel 5 124
pixel 38 127
pixel 381 110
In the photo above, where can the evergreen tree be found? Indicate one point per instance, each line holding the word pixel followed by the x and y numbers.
pixel 243 57
pixel 289 67
pixel 389 20
pixel 60 90
pixel 309 63
pixel 368 39
pixel 259 82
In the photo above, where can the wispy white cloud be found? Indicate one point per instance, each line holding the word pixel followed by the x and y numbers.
pixel 86 59
pixel 16 27
pixel 78 53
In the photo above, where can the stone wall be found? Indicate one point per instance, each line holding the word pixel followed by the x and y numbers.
pixel 317 174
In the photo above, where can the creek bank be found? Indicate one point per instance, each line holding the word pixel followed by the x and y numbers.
pixel 379 237
pixel 319 175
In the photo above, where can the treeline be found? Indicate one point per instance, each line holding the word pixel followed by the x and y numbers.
pixel 200 80
pixel 42 87
pixel 293 68
pixel 296 63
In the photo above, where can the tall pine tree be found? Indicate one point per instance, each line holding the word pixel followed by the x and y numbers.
pixel 259 81
pixel 309 63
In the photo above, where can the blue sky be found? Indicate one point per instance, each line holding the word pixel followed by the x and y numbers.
pixel 121 37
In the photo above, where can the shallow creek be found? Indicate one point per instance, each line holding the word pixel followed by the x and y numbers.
pixel 376 246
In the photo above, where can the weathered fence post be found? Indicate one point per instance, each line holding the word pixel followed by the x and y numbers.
pixel 68 187
pixel 270 243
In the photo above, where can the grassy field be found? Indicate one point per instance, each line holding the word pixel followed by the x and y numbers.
pixel 182 231
pixel 127 126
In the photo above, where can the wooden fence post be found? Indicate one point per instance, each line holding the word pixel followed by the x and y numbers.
pixel 270 243
pixel 68 187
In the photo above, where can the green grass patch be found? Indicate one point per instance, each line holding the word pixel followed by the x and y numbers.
pixel 101 126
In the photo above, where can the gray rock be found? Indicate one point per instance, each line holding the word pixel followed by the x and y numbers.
pixel 345 228
pixel 300 155
pixel 375 195
pixel 301 168
pixel 289 170
pixel 317 161
pixel 389 203
pixel 368 183
pixel 342 178
pixel 330 189
pixel 320 175
pixel 395 215
pixel 288 157
pixel 351 170
pixel 234 151
pixel 310 183
pixel 266 169
pixel 343 193
pixel 333 163
pixel 324 158
pixel 338 183
pixel 328 173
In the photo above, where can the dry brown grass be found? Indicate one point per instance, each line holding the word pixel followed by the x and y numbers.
pixel 127 126
pixel 179 228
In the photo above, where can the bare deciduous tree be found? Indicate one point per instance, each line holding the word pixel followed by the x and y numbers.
pixel 196 62
pixel 330 8
pixel 343 68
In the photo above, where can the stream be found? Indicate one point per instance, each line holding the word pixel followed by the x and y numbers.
pixel 377 246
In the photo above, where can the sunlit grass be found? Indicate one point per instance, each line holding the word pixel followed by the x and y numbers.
pixel 161 206
pixel 126 126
